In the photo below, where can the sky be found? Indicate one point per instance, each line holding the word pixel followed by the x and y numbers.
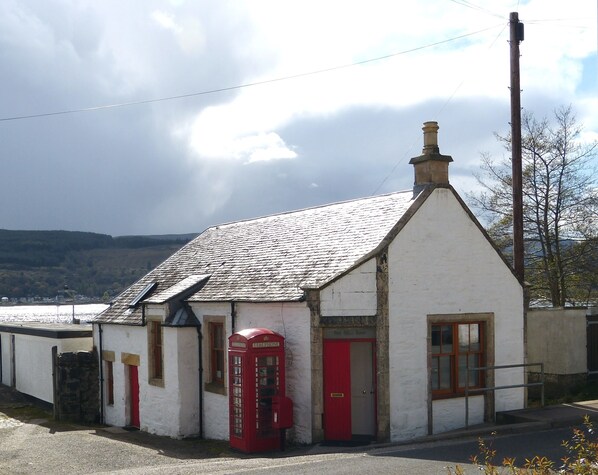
pixel 217 116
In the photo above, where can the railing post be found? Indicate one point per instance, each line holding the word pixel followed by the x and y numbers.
pixel 466 408
pixel 466 393
pixel 542 376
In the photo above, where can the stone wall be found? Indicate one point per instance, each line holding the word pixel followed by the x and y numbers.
pixel 555 385
pixel 76 387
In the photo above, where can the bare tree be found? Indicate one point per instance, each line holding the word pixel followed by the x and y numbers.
pixel 560 201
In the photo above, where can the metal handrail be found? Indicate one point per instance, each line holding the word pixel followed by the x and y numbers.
pixel 495 388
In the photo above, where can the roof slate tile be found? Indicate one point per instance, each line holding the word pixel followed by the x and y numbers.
pixel 274 257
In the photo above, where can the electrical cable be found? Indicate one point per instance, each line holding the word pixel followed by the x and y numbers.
pixel 408 150
pixel 246 85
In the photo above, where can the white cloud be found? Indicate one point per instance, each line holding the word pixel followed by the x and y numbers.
pixel 323 137
pixel 187 31
pixel 264 147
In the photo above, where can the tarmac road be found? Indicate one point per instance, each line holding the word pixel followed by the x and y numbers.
pixel 31 442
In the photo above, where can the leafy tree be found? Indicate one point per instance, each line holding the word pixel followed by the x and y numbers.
pixel 560 207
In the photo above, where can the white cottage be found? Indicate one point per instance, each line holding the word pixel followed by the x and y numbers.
pixel 385 302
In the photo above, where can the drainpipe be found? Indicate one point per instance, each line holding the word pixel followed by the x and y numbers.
pixel 233 314
pixel 199 351
pixel 199 366
pixel 101 376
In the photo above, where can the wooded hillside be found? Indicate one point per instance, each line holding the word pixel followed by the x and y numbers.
pixel 40 263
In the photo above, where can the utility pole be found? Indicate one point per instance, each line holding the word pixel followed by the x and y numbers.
pixel 516 36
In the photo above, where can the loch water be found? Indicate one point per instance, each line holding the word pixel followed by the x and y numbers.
pixel 62 313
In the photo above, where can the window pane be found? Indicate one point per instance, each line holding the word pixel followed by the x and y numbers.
pixel 474 337
pixel 463 337
pixel 217 361
pixel 444 369
pixel 435 384
pixel 435 339
pixel 463 371
pixel 473 374
pixel 447 339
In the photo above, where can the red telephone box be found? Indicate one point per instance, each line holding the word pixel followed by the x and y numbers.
pixel 258 408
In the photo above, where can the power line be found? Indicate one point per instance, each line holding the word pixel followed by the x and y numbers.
pixel 246 85
pixel 466 3
pixel 446 103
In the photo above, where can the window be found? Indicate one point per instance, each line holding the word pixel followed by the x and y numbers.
pixel 455 347
pixel 156 371
pixel 216 331
pixel 109 365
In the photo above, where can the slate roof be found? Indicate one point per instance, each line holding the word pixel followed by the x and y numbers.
pixel 271 258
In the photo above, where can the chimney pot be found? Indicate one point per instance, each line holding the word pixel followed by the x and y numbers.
pixel 431 168
pixel 430 138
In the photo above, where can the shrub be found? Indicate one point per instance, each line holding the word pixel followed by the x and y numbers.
pixel 581 459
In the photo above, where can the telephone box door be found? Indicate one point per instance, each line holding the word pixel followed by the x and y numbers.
pixel 257 381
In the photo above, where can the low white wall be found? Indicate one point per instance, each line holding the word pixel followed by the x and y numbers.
pixel 557 338
pixel 33 361
pixel 6 367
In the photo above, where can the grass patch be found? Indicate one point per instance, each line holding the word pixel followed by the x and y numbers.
pixel 26 412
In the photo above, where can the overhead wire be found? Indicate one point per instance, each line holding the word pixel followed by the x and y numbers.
pixel 245 85
pixel 446 103
pixel 466 3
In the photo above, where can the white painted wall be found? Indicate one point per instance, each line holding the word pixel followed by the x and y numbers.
pixel 444 411
pixel 352 295
pixel 215 406
pixel 557 338
pixel 188 380
pixel 171 409
pixel 290 320
pixel 161 408
pixel 5 357
pixel 440 263
pixel 119 339
pixel 33 361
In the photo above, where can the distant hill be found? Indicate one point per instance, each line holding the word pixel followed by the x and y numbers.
pixel 39 263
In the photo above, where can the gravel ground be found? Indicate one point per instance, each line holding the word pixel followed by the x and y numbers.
pixel 32 442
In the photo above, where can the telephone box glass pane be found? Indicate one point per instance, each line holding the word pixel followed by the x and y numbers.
pixel 237 397
pixel 266 385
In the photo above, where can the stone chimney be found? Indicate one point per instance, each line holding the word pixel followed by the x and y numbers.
pixel 431 168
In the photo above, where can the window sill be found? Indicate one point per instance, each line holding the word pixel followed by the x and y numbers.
pixel 472 393
pixel 156 382
pixel 216 388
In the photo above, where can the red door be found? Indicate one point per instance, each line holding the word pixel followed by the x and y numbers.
pixel 134 394
pixel 337 390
